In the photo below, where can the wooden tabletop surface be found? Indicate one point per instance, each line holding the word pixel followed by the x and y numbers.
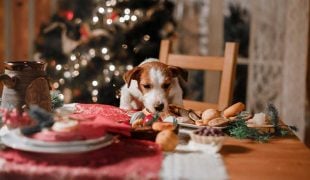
pixel 280 158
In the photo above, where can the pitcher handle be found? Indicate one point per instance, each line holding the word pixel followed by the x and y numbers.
pixel 8 81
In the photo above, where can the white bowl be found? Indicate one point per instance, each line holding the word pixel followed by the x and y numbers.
pixel 207 142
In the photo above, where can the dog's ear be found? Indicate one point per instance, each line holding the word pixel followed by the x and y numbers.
pixel 177 71
pixel 132 74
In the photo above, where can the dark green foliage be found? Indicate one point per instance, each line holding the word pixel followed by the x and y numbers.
pixel 240 130
pixel 56 100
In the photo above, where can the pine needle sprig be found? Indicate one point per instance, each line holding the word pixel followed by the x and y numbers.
pixel 56 99
pixel 273 114
pixel 240 130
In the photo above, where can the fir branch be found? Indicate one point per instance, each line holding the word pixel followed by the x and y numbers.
pixel 240 130
pixel 273 114
pixel 293 128
pixel 57 101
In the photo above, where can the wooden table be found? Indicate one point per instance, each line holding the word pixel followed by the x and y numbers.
pixel 281 158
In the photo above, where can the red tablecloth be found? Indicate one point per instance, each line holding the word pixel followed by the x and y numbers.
pixel 95 120
pixel 127 159
pixel 111 118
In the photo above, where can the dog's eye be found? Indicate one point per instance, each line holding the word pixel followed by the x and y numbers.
pixel 146 86
pixel 166 86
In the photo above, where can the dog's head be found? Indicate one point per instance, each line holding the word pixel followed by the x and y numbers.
pixel 155 80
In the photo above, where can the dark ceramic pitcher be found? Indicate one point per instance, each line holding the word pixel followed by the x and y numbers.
pixel 25 84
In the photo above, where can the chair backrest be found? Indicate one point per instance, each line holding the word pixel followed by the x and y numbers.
pixel 226 64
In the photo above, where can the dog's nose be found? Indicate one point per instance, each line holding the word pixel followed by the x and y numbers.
pixel 159 107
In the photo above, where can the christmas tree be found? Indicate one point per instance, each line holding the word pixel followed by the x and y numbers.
pixel 89 44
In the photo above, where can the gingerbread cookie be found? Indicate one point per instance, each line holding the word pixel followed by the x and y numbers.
pixel 218 122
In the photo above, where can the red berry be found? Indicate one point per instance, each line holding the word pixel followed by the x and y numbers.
pixel 147 120
pixel 150 119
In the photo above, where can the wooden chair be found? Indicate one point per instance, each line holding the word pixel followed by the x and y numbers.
pixel 226 64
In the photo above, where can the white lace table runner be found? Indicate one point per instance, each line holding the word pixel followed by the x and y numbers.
pixel 193 161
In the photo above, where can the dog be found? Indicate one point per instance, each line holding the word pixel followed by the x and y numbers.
pixel 152 85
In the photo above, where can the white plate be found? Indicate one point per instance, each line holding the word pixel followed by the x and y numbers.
pixel 196 126
pixel 16 140
pixel 66 109
pixel 30 141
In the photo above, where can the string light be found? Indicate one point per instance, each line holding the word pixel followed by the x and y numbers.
pixel 146 37
pixel 124 46
pixel 65 66
pixel 76 66
pixel 72 57
pixel 138 13
pixel 133 18
pixel 61 81
pixel 94 83
pixel 121 19
pixel 107 79
pixel 58 67
pixel 92 52
pixel 109 21
pixel 101 10
pixel 67 74
pixel 75 73
pixel 95 19
pixel 105 71
pixel 113 2
pixel 61 96
pixel 95 92
pixel 106 57
pixel 127 11
pixel 83 62
pixel 129 67
pixel 126 17
pixel 111 67
pixel 104 50
pixel 77 21
pixel 56 85
pixel 108 3
pixel 110 10
pixel 116 73
pixel 95 99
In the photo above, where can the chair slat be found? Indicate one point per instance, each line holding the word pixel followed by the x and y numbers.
pixel 196 105
pixel 225 64
pixel 228 75
pixel 196 62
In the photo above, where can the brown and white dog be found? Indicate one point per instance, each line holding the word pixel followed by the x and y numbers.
pixel 152 85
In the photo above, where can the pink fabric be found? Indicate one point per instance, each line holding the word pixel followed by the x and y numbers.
pixel 127 159
pixel 82 133
pixel 111 118
pixel 94 121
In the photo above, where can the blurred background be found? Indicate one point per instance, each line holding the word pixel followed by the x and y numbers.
pixel 89 44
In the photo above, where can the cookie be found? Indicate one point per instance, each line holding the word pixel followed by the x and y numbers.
pixel 192 115
pixel 218 122
pixel 210 114
pixel 245 115
pixel 65 126
pixel 234 109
